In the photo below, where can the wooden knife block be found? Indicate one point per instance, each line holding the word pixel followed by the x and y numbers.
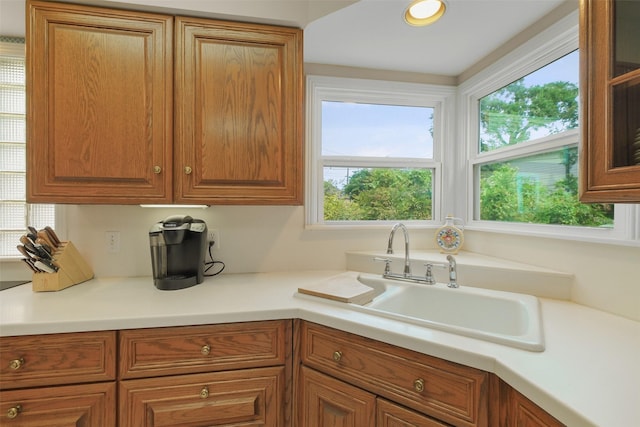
pixel 73 269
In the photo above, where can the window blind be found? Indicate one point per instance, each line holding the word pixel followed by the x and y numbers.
pixel 15 213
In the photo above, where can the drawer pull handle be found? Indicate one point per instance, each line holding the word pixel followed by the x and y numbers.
pixel 418 385
pixel 337 356
pixel 14 412
pixel 16 364
pixel 157 170
pixel 205 350
pixel 188 170
pixel 204 393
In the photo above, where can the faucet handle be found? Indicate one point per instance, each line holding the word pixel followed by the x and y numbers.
pixel 387 264
pixel 428 277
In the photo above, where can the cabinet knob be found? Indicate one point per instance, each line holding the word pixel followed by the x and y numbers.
pixel 157 169
pixel 188 170
pixel 205 350
pixel 337 356
pixel 16 364
pixel 14 411
pixel 418 385
pixel 204 393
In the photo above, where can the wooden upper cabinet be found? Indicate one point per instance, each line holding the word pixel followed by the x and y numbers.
pixel 610 92
pixel 238 127
pixel 99 105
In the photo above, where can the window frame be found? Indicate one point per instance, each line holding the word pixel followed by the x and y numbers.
pixel 17 49
pixel 327 88
pixel 558 40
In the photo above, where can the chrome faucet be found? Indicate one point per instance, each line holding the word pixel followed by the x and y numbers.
pixel 453 273
pixel 407 260
pixel 406 275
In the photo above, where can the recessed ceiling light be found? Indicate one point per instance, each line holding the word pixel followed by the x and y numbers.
pixel 424 12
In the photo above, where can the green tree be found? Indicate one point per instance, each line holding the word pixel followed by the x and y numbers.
pixel 337 207
pixel 510 114
pixel 382 194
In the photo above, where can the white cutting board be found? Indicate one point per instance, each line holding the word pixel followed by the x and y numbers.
pixel 343 288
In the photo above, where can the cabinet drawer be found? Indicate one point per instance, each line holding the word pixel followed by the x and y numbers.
pixel 251 397
pixel 78 405
pixel 192 349
pixel 450 392
pixel 53 359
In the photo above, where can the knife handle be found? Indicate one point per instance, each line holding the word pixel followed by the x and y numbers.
pixel 28 245
pixel 42 234
pixel 23 251
pixel 53 237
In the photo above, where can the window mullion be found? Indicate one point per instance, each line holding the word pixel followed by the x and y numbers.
pixel 537 146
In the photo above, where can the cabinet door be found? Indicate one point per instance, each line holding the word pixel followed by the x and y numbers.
pixel 238 103
pixel 90 405
pixel 610 91
pixel 99 105
pixel 327 402
pixel 516 410
pixel 389 414
pixel 249 397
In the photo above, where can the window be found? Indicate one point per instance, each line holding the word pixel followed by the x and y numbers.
pixel 15 213
pixel 539 185
pixel 520 120
pixel 375 154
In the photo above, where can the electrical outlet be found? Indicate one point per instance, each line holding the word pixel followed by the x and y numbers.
pixel 213 235
pixel 112 240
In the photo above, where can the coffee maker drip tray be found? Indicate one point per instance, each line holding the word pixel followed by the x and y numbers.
pixel 173 283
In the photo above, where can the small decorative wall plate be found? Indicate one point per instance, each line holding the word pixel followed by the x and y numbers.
pixel 449 238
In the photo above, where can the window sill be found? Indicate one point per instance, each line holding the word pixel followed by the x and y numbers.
pixel 475 270
pixel 591 235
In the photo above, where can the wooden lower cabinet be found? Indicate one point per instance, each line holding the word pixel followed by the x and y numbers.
pixel 249 397
pixel 388 414
pixel 329 402
pixel 235 374
pixel 512 409
pixel 446 391
pixel 242 374
pixel 87 405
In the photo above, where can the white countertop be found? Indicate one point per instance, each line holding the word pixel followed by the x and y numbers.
pixel 588 375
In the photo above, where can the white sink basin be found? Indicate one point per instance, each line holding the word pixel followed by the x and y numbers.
pixel 501 317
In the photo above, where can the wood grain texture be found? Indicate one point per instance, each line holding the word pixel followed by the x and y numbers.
pixel 516 410
pixel 171 351
pixel 99 105
pixel 388 414
pixel 452 393
pixel 327 402
pixel 89 405
pixel 600 180
pixel 57 359
pixel 238 94
pixel 249 397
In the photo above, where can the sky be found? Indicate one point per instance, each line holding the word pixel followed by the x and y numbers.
pixel 350 129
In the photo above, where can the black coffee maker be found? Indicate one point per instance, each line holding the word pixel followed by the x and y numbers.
pixel 178 246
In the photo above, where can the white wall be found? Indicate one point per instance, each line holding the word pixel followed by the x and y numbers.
pixel 272 238
pixel 269 238
pixel 607 277
pixel 252 238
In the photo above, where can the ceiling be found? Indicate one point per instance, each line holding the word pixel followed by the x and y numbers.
pixel 365 33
